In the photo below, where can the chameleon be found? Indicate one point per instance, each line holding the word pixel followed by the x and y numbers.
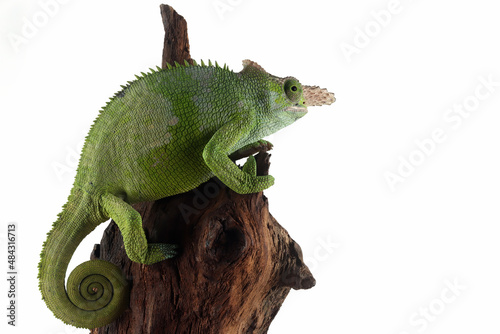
pixel 164 133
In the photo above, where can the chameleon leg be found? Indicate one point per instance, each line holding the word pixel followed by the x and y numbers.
pixel 130 224
pixel 216 158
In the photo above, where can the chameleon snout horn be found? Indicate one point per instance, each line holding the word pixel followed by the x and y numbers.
pixel 316 96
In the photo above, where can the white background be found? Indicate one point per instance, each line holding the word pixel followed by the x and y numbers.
pixel 383 256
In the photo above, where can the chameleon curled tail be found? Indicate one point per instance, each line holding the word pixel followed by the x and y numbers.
pixel 97 292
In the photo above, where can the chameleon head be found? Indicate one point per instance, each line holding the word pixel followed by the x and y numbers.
pixel 290 96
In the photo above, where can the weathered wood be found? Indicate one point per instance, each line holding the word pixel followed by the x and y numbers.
pixel 236 265
pixel 176 42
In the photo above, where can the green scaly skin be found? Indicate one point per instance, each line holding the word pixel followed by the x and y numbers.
pixel 163 134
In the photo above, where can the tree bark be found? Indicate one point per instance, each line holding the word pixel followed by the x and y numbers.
pixel 236 264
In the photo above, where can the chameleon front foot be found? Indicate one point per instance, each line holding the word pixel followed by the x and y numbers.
pixel 256 183
pixel 250 166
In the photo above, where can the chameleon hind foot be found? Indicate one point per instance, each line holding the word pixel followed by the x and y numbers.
pixel 129 222
pixel 168 250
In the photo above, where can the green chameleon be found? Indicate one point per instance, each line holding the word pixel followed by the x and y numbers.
pixel 163 134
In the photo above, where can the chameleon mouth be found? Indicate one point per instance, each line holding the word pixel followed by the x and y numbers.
pixel 297 109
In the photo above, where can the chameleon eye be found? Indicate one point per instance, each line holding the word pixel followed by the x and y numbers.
pixel 293 89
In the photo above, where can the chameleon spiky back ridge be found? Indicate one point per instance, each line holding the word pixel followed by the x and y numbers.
pixel 162 134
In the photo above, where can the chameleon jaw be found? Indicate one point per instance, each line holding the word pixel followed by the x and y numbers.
pixel 297 109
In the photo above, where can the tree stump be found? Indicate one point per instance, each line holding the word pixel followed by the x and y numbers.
pixel 236 264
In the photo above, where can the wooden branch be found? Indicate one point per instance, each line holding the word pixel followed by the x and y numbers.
pixel 176 42
pixel 236 266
